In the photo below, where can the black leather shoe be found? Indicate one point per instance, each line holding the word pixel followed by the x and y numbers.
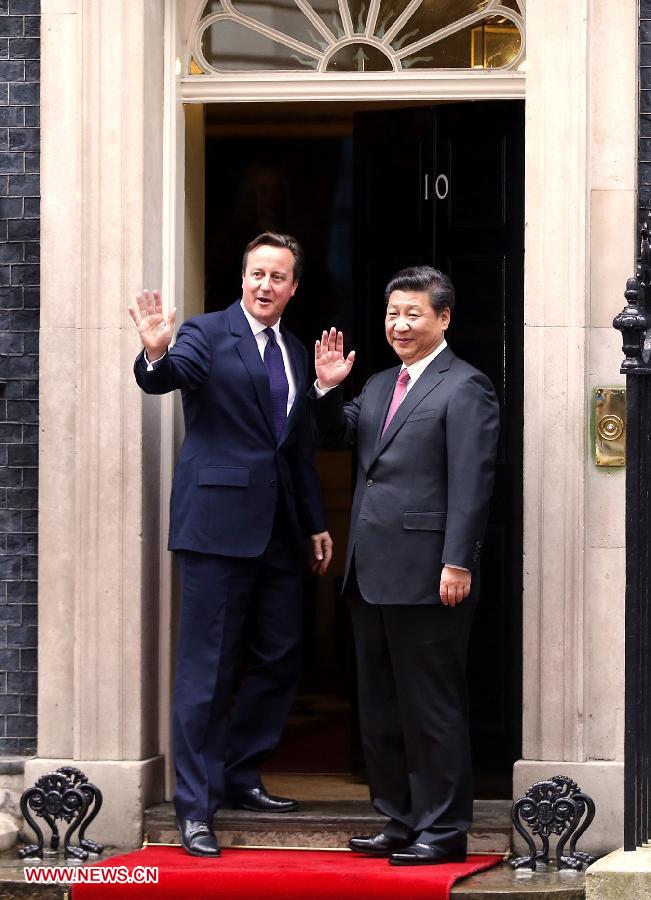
pixel 420 854
pixel 258 800
pixel 198 838
pixel 378 844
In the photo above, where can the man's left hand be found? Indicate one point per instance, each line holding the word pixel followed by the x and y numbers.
pixel 455 585
pixel 321 552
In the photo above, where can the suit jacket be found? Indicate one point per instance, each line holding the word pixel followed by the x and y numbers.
pixel 232 471
pixel 422 491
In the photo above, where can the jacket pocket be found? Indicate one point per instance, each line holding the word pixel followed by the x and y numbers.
pixel 229 476
pixel 423 415
pixel 424 521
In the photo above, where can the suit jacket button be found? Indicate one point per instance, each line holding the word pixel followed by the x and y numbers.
pixel 369 482
pixel 272 483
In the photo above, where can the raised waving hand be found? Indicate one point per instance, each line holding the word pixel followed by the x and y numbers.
pixel 155 329
pixel 329 361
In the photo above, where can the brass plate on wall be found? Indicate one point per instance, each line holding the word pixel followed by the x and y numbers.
pixel 610 426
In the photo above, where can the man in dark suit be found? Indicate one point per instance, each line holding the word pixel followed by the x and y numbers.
pixel 426 436
pixel 245 497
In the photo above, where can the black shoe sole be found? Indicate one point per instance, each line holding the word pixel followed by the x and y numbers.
pixel 420 861
pixel 380 854
pixel 198 853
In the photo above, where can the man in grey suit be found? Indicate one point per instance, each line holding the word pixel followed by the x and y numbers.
pixel 426 437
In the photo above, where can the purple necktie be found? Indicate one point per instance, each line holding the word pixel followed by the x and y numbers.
pixel 273 360
pixel 398 396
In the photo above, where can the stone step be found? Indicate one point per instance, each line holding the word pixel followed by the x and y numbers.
pixel 544 884
pixel 324 824
pixel 327 824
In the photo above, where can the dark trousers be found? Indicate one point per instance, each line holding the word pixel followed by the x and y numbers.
pixel 411 663
pixel 228 605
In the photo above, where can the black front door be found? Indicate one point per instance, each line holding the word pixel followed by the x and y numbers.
pixel 445 186
pixel 383 190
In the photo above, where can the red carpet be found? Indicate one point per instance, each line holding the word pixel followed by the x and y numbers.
pixel 280 875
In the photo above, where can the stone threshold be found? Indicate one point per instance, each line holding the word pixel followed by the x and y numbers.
pixel 323 824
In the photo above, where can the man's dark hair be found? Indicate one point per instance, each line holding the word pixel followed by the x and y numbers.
pixel 272 239
pixel 424 278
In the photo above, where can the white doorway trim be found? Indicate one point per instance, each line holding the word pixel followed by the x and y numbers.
pixel 580 150
pixel 260 88
pixel 558 147
pixel 356 87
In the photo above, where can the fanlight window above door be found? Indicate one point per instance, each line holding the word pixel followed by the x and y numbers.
pixel 356 35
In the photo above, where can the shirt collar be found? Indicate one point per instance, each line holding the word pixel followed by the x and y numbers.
pixel 416 369
pixel 256 326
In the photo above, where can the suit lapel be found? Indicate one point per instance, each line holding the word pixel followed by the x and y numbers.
pixel 431 378
pixel 247 347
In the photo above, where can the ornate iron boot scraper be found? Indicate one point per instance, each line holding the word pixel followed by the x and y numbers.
pixel 67 796
pixel 554 807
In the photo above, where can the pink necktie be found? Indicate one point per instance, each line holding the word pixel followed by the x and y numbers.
pixel 398 396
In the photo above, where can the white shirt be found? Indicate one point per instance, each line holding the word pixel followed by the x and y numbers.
pixel 416 369
pixel 261 340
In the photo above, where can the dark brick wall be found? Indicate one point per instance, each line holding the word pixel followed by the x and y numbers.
pixel 19 322
pixel 644 148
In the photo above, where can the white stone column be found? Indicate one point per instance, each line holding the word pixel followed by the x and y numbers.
pixel 580 217
pixel 102 104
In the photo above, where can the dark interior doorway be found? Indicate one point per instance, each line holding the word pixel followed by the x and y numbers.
pixel 359 190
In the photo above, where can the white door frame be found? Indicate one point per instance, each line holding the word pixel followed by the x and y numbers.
pixel 276 87
pixel 557 313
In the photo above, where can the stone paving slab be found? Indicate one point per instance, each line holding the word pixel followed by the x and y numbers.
pixel 12 877
pixel 622 875
pixel 545 884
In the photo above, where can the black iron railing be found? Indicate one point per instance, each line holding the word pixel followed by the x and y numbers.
pixel 635 324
